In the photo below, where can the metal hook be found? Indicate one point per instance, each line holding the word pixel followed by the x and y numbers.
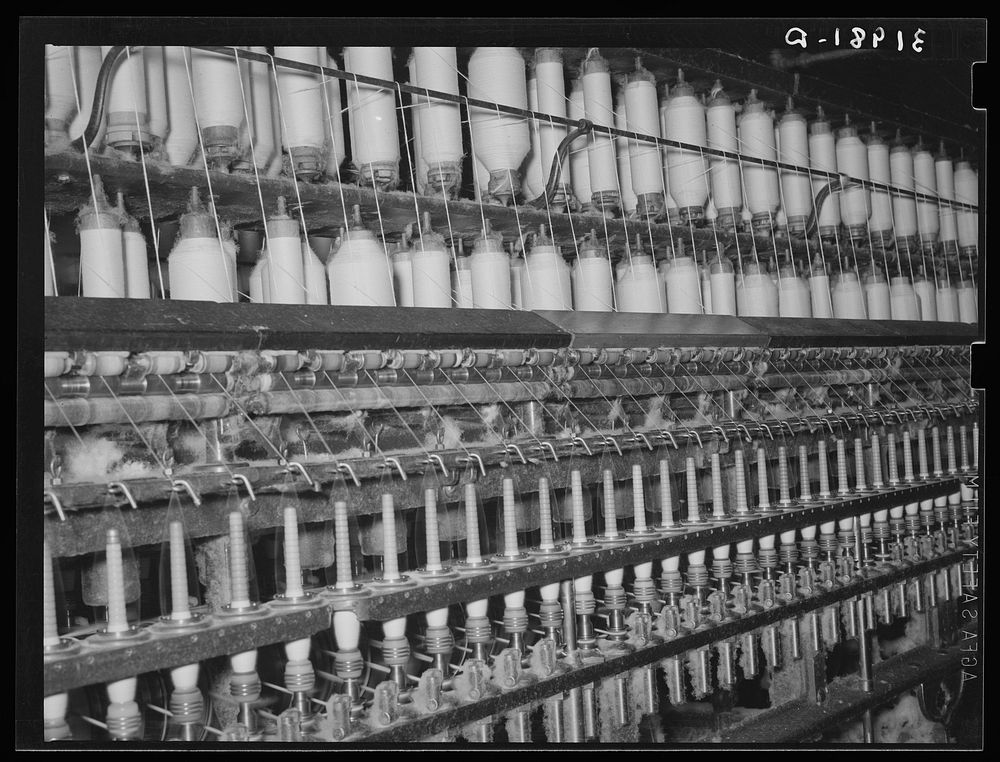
pixel 121 486
pixel 746 431
pixel 551 448
pixel 692 433
pixel 435 458
pixel 761 426
pixel 178 484
pixel 722 433
pixel 641 437
pixel 788 425
pixel 294 465
pixel 613 442
pixel 478 458
pixel 346 467
pixel 241 479
pixel 395 462
pixel 665 434
pixel 55 502
pixel 517 450
pixel 583 443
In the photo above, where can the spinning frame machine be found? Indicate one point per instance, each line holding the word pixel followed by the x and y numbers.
pixel 327 508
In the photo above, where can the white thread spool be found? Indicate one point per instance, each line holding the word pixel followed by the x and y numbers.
pixel 691 474
pixel 490 266
pixel 579 151
pixel 904 208
pixel 500 141
pixel 673 211
pixel 756 292
pixel 684 121
pixel 293 568
pixel 877 296
pixel 903 301
pixel 60 98
pixel 927 294
pixel 642 116
pixel 218 103
pixel 102 266
pixel 683 285
pixel 593 287
pixel 304 133
pixel 551 93
pixel 880 223
pixel 260 282
pixel 461 283
pixel 947 302
pixel 793 294
pixel 576 497
pixel 966 183
pixel 179 606
pixel 727 186
pixel 968 302
pixel 944 173
pixel 629 200
pixel 595 75
pixel 156 93
pixel 283 255
pixel 666 498
pixel 88 60
pixel 440 122
pixel 402 276
pixel 848 296
pixel 115 571
pixel 793 148
pixel 852 160
pixel 374 135
pixel 823 157
pixel 756 135
pixel 546 280
pixel 723 285
pixel 128 119
pixel 638 287
pixel 333 115
pixel 182 135
pixel 925 179
pixel 533 175
pixel 819 291
pixel 429 261
pixel 359 272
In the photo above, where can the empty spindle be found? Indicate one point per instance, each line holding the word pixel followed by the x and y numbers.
pixel 859 465
pixel 431 530
pixel 179 607
pixel 638 499
pixel 576 498
pixel 804 489
pixel 544 515
pixel 692 491
pixel 390 559
pixel 666 498
pixel 342 545
pixel 473 551
pixel 293 565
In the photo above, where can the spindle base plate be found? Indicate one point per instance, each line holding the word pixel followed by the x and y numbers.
pixel 675 529
pixel 193 622
pixel 445 572
pixel 647 533
pixel 65 647
pixel 505 560
pixel 105 638
pixel 394 584
pixel 548 552
pixel 473 566
pixel 619 540
pixel 253 610
pixel 353 591
pixel 306 600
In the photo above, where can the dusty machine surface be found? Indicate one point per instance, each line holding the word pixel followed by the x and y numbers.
pixel 496 395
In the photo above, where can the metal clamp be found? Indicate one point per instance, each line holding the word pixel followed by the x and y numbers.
pixel 242 479
pixel 346 467
pixel 399 468
pixel 638 436
pixel 55 503
pixel 294 465
pixel 178 484
pixel 123 488
pixel 665 434
pixel 435 458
